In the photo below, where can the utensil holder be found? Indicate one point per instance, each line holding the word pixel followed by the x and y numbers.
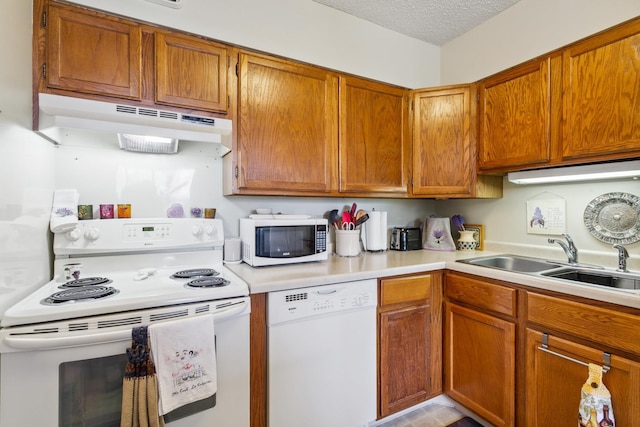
pixel 347 243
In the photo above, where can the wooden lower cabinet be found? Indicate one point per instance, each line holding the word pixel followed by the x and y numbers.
pixel 480 363
pixel 553 383
pixel 409 341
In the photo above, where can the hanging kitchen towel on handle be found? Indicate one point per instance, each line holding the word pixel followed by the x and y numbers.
pixel 595 402
pixel 139 388
pixel 185 358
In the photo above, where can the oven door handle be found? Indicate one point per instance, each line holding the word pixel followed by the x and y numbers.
pixel 50 341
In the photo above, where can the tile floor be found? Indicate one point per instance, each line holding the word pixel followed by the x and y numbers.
pixel 431 415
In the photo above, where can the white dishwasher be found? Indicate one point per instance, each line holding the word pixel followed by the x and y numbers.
pixel 322 355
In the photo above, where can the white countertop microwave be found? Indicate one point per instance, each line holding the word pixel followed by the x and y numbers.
pixel 283 239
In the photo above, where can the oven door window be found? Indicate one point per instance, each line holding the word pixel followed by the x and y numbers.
pixel 90 394
pixel 90 391
pixel 285 241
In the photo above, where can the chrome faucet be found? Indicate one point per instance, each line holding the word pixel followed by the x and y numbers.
pixel 622 257
pixel 569 248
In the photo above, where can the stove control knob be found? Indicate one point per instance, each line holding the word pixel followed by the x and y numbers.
pixel 196 230
pixel 92 234
pixel 74 234
pixel 210 230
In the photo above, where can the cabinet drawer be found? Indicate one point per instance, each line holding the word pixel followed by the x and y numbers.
pixel 489 296
pixel 404 289
pixel 609 327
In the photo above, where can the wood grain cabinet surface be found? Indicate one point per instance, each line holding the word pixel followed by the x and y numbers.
pixel 602 95
pixel 516 119
pixel 409 341
pixel 480 348
pixel 90 54
pixel 190 72
pixel 287 127
pixel 578 104
pixel 374 140
pixel 444 145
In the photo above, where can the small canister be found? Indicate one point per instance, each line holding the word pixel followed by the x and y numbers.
pixel 209 213
pixel 85 211
pixel 124 211
pixel 106 211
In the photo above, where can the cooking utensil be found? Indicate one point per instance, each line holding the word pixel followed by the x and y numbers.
pixel 348 226
pixel 352 212
pixel 362 219
pixel 334 217
pixel 346 218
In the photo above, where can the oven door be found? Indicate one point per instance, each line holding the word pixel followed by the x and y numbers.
pixel 71 383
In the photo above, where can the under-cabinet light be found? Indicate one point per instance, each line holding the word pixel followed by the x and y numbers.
pixel 595 172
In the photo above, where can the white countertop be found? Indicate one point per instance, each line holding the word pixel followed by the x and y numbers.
pixel 393 263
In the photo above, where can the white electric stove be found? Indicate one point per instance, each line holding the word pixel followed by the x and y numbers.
pixel 111 276
pixel 130 264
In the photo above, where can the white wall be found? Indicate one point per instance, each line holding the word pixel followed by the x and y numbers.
pixel 26 164
pixel 525 30
pixel 299 29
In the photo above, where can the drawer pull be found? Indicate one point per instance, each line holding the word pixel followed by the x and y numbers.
pixel 606 357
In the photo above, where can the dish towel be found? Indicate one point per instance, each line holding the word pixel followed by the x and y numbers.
pixel 595 401
pixel 436 235
pixel 64 213
pixel 139 387
pixel 185 358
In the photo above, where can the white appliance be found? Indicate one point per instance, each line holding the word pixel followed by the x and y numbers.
pixel 57 113
pixel 62 357
pixel 283 239
pixel 322 355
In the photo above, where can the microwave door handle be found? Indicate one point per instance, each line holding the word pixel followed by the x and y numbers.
pixel 102 337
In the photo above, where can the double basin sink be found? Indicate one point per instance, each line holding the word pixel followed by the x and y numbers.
pixel 576 273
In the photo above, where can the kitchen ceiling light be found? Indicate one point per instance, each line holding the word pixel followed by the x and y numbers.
pixel 595 172
pixel 148 144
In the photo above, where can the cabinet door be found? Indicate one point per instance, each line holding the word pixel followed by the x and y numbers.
pixel 516 120
pixel 480 363
pixel 405 358
pixel 288 127
pixel 602 95
pixel 443 142
pixel 373 148
pixel 93 53
pixel 554 383
pixel 190 72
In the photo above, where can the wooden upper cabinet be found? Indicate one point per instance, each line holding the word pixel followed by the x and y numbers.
pixel 92 53
pixel 190 72
pixel 288 127
pixel 516 116
pixel 444 142
pixel 602 95
pixel 373 140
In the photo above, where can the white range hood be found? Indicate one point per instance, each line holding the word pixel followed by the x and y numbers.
pixel 58 113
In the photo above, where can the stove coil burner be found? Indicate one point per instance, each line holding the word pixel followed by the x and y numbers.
pixel 79 294
pixel 194 272
pixel 87 281
pixel 207 282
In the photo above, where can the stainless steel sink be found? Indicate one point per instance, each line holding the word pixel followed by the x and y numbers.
pixel 611 279
pixel 579 273
pixel 516 263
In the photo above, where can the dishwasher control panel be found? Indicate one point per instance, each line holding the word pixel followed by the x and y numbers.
pixel 301 303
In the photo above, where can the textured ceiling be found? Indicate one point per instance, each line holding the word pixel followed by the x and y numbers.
pixel 432 21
